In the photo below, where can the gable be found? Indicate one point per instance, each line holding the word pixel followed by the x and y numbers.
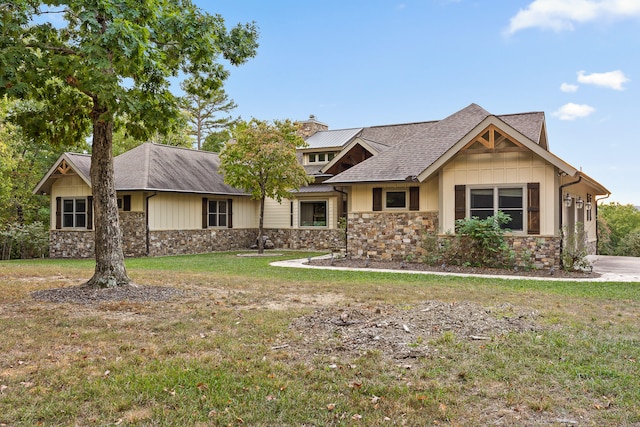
pixel 67 165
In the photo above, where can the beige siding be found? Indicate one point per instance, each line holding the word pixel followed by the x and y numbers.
pixel 69 186
pixel 516 168
pixel 173 211
pixel 277 215
pixel 362 195
pixel 137 200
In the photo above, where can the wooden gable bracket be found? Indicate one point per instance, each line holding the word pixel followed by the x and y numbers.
pixel 493 139
pixel 64 168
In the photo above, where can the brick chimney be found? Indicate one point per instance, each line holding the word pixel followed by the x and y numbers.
pixel 311 126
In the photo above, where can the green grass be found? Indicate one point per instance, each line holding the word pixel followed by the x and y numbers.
pixel 214 355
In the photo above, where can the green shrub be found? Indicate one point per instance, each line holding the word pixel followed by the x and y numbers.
pixel 477 242
pixel 574 251
pixel 24 241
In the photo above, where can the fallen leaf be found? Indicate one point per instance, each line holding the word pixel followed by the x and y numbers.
pixel 356 417
pixel 375 399
pixel 3 388
pixel 331 406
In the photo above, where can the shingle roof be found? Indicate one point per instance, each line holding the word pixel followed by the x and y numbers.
pixel 415 148
pixel 154 167
pixel 157 167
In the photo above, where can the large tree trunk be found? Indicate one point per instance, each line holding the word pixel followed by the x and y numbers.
pixel 261 226
pixel 110 270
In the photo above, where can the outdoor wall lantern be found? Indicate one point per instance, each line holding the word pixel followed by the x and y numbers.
pixel 588 205
pixel 567 200
pixel 579 203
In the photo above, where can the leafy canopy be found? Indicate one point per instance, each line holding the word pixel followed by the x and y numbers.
pixel 262 159
pixel 119 54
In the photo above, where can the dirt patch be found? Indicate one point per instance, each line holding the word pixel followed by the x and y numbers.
pixel 88 295
pixel 406 332
pixel 418 266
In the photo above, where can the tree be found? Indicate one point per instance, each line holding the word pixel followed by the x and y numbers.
pixel 202 105
pixel 123 140
pixel 216 140
pixel 110 58
pixel 261 160
pixel 616 223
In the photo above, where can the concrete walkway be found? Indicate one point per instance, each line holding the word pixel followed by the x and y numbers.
pixel 611 269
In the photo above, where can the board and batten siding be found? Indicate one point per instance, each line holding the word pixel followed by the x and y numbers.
pixel 175 211
pixel 498 169
pixel 362 195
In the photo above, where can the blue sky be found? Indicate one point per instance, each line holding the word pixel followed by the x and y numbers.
pixel 355 63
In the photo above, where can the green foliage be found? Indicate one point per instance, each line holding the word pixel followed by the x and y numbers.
pixel 480 242
pixel 630 244
pixel 262 159
pixel 215 141
pixel 477 242
pixel 202 106
pixel 615 223
pixel 24 241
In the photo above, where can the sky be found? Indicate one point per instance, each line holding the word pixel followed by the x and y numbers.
pixel 357 63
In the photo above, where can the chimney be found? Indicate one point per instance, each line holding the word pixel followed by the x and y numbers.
pixel 311 126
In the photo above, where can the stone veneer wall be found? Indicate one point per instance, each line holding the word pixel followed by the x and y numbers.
pixel 396 236
pixel 306 238
pixel 183 242
pixel 388 235
pixel 133 226
pixel 71 244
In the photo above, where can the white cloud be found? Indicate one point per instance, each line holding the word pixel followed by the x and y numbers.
pixel 558 15
pixel 612 79
pixel 566 87
pixel 573 111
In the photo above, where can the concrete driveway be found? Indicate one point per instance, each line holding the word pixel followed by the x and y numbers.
pixel 616 268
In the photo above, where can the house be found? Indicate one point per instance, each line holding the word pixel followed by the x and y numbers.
pixel 391 183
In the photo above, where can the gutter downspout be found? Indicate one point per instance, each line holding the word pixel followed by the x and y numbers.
pixel 561 206
pixel 146 215
pixel 346 223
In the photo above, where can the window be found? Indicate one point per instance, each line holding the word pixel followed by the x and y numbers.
pixel 395 199
pixel 320 157
pixel 485 202
pixel 313 214
pixel 217 213
pixel 74 213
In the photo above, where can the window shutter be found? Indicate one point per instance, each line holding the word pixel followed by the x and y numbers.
pixel 460 202
pixel 230 213
pixel 414 198
pixel 377 199
pixel 205 212
pixel 533 208
pixel 58 213
pixel 126 203
pixel 89 213
pixel 291 214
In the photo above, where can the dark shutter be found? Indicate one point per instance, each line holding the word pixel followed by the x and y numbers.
pixel 58 213
pixel 230 213
pixel 291 214
pixel 205 212
pixel 533 208
pixel 89 213
pixel 414 198
pixel 461 202
pixel 377 199
pixel 126 203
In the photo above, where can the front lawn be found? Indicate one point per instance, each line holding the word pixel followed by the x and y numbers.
pixel 244 343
